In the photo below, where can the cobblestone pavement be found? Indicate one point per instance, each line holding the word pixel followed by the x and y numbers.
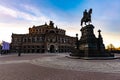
pixel 62 62
pixel 56 67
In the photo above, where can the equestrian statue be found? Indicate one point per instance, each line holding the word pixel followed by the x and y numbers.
pixel 86 17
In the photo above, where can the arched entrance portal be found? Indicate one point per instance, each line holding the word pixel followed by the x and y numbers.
pixel 52 49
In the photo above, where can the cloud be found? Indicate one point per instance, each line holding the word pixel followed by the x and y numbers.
pixel 17 21
pixel 8 13
pixel 111 38
pixel 8 29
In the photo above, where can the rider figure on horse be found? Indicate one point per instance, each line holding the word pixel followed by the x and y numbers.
pixel 86 17
pixel 85 13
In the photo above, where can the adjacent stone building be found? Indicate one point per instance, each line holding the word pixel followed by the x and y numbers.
pixel 41 39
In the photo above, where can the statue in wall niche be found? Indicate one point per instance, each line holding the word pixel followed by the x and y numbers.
pixel 86 16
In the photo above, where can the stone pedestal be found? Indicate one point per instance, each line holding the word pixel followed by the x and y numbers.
pixel 89 45
pixel 88 42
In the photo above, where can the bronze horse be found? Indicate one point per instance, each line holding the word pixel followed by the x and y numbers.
pixel 86 17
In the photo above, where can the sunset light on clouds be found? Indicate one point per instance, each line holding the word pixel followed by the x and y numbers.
pixel 16 16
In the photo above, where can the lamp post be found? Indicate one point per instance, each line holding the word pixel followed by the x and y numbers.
pixel 77 42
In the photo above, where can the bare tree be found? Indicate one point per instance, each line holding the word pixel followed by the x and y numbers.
pixel 111 47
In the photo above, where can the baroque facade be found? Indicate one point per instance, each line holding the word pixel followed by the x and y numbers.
pixel 41 39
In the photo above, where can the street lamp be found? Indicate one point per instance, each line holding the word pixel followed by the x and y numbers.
pixel 77 42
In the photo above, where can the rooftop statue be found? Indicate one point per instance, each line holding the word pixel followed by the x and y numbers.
pixel 86 16
pixel 51 23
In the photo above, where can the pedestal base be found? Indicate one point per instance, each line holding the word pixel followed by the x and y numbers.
pixel 89 45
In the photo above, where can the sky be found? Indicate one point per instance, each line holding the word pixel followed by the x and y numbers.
pixel 16 16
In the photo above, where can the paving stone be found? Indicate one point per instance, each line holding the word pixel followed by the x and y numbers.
pixel 23 68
